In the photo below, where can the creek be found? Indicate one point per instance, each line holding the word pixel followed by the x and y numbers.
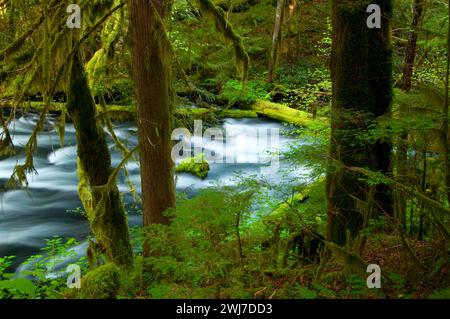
pixel 45 209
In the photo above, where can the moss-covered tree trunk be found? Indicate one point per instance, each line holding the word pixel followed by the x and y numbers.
pixel 276 40
pixel 103 205
pixel 152 75
pixel 362 91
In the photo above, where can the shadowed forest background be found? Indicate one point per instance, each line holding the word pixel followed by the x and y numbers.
pixel 87 178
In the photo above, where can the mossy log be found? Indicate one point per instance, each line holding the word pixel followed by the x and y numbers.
pixel 286 114
pixel 279 112
pixel 121 113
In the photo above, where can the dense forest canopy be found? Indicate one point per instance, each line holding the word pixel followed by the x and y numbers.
pixel 224 149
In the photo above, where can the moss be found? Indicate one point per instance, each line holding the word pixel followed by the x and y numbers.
pixel 225 28
pixel 197 166
pixel 237 114
pixel 122 113
pixel 101 283
pixel 100 196
pixel 286 114
pixel 351 261
pixel 234 93
pixel 191 111
pixel 307 197
pixel 284 208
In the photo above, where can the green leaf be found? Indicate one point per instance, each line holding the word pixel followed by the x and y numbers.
pixel 21 285
pixel 24 286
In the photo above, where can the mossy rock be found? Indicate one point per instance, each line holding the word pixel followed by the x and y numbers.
pixel 197 166
pixel 101 283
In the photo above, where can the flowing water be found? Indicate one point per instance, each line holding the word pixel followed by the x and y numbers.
pixel 28 217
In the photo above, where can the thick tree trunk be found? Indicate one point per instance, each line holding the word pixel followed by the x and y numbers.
pixel 276 40
pixel 105 211
pixel 152 75
pixel 362 90
pixel 410 52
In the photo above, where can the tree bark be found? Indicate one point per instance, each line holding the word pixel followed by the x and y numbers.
pixel 152 75
pixel 276 40
pixel 444 126
pixel 362 90
pixel 410 52
pixel 104 208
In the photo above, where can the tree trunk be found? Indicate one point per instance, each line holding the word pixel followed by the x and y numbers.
pixel 402 172
pixel 444 126
pixel 152 75
pixel 276 40
pixel 410 53
pixel 362 90
pixel 104 207
pixel 405 85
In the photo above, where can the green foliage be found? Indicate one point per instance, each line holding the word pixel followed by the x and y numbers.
pixel 236 95
pixel 231 242
pixel 356 287
pixel 398 281
pixel 20 288
pixel 304 292
pixel 41 278
pixel 55 252
pixel 200 249
pixel 5 263
pixel 305 89
pixel 311 148
pixel 443 293
pixel 225 28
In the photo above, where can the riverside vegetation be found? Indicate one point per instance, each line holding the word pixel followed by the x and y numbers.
pixel 366 109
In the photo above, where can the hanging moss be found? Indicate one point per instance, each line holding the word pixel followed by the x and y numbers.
pixel 6 145
pixel 97 67
pixel 226 29
pixel 197 166
pixel 101 283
